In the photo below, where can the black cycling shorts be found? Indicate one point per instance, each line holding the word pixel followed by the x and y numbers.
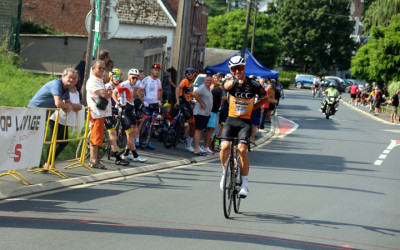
pixel 128 119
pixel 237 127
pixel 110 123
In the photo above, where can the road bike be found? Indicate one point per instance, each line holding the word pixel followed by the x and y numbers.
pixel 101 150
pixel 147 127
pixel 121 136
pixel 232 178
pixel 175 132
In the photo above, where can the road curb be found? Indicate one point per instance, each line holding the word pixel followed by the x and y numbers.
pixel 70 182
pixel 366 113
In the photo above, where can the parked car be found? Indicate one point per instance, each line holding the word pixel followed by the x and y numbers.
pixel 339 82
pixel 199 81
pixel 304 81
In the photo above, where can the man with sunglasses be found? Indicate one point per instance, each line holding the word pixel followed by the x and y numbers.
pixel 184 93
pixel 150 92
pixel 123 96
pixel 242 91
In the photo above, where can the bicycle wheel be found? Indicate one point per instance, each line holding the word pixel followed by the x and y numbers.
pixel 228 189
pixel 79 148
pixel 145 133
pixel 179 131
pixel 238 184
pixel 102 150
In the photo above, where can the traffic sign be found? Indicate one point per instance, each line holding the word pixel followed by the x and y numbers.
pixel 111 23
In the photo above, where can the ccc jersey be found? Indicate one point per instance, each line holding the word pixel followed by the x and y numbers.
pixel 241 99
pixel 185 91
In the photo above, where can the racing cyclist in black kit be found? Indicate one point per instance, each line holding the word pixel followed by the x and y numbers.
pixel 241 92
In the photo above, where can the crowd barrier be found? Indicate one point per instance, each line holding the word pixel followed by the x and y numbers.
pixel 13 121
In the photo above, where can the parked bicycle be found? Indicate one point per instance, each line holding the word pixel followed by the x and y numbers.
pixel 176 130
pixel 147 127
pixel 233 178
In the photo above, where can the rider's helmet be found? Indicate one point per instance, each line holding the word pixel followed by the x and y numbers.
pixel 115 72
pixel 236 60
pixel 331 84
pixel 156 66
pixel 133 72
pixel 190 70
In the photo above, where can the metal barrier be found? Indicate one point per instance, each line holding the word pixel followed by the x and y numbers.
pixel 50 164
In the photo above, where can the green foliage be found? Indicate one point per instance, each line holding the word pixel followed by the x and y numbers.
pixel 227 32
pixel 379 59
pixel 379 13
pixel 30 27
pixel 315 33
pixel 393 87
pixel 217 7
pixel 18 87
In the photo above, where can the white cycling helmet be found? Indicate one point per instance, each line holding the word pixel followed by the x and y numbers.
pixel 133 72
pixel 235 61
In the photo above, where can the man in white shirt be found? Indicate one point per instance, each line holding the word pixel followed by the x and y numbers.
pixel 150 92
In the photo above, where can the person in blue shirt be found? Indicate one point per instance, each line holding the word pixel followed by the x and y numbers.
pixel 55 94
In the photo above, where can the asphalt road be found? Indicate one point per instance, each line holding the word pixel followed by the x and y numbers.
pixel 319 187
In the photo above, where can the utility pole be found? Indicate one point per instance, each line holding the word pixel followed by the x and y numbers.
pixel 253 37
pixel 246 29
pixel 103 22
pixel 89 53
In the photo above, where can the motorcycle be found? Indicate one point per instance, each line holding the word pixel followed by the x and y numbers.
pixel 330 105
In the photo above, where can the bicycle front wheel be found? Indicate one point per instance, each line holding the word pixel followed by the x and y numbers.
pixel 229 186
pixel 238 184
pixel 145 133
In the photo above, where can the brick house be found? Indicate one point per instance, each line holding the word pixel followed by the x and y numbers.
pixel 137 18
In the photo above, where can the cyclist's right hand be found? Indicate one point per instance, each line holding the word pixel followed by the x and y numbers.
pixel 176 104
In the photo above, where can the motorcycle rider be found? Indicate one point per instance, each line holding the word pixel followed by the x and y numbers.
pixel 331 91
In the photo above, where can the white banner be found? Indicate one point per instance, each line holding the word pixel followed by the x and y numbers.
pixel 21 137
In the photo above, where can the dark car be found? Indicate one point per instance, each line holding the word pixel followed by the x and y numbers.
pixel 339 83
pixel 304 81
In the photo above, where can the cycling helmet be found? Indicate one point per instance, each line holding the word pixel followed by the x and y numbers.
pixel 331 84
pixel 133 72
pixel 190 70
pixel 156 66
pixel 116 72
pixel 235 61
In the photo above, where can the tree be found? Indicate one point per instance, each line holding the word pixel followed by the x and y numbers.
pixel 227 32
pixel 379 59
pixel 379 13
pixel 220 7
pixel 315 33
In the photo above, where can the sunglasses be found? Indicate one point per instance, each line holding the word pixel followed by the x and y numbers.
pixel 101 68
pixel 239 67
pixel 135 78
pixel 117 77
pixel 190 74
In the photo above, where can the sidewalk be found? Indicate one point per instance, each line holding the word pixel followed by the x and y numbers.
pixel 158 159
pixel 382 117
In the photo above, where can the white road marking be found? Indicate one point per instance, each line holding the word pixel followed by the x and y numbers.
pixel 393 143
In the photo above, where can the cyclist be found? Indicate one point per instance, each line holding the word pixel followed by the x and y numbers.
pixel 150 92
pixel 242 91
pixel 123 96
pixel 111 121
pixel 183 93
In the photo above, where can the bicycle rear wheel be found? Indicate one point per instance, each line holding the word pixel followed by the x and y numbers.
pixel 103 149
pixel 238 184
pixel 79 148
pixel 229 186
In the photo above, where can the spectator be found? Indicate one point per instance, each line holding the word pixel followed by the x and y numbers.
pixel 255 121
pixel 109 67
pixel 94 90
pixel 168 87
pixel 70 117
pixel 202 111
pixel 271 87
pixel 377 100
pixel 224 110
pixel 395 104
pixel 353 93
pixel 216 91
pixel 81 69
pixel 279 91
pixel 55 94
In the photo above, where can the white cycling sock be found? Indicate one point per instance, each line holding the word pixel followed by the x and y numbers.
pixel 137 139
pixel 245 181
pixel 223 170
pixel 189 141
